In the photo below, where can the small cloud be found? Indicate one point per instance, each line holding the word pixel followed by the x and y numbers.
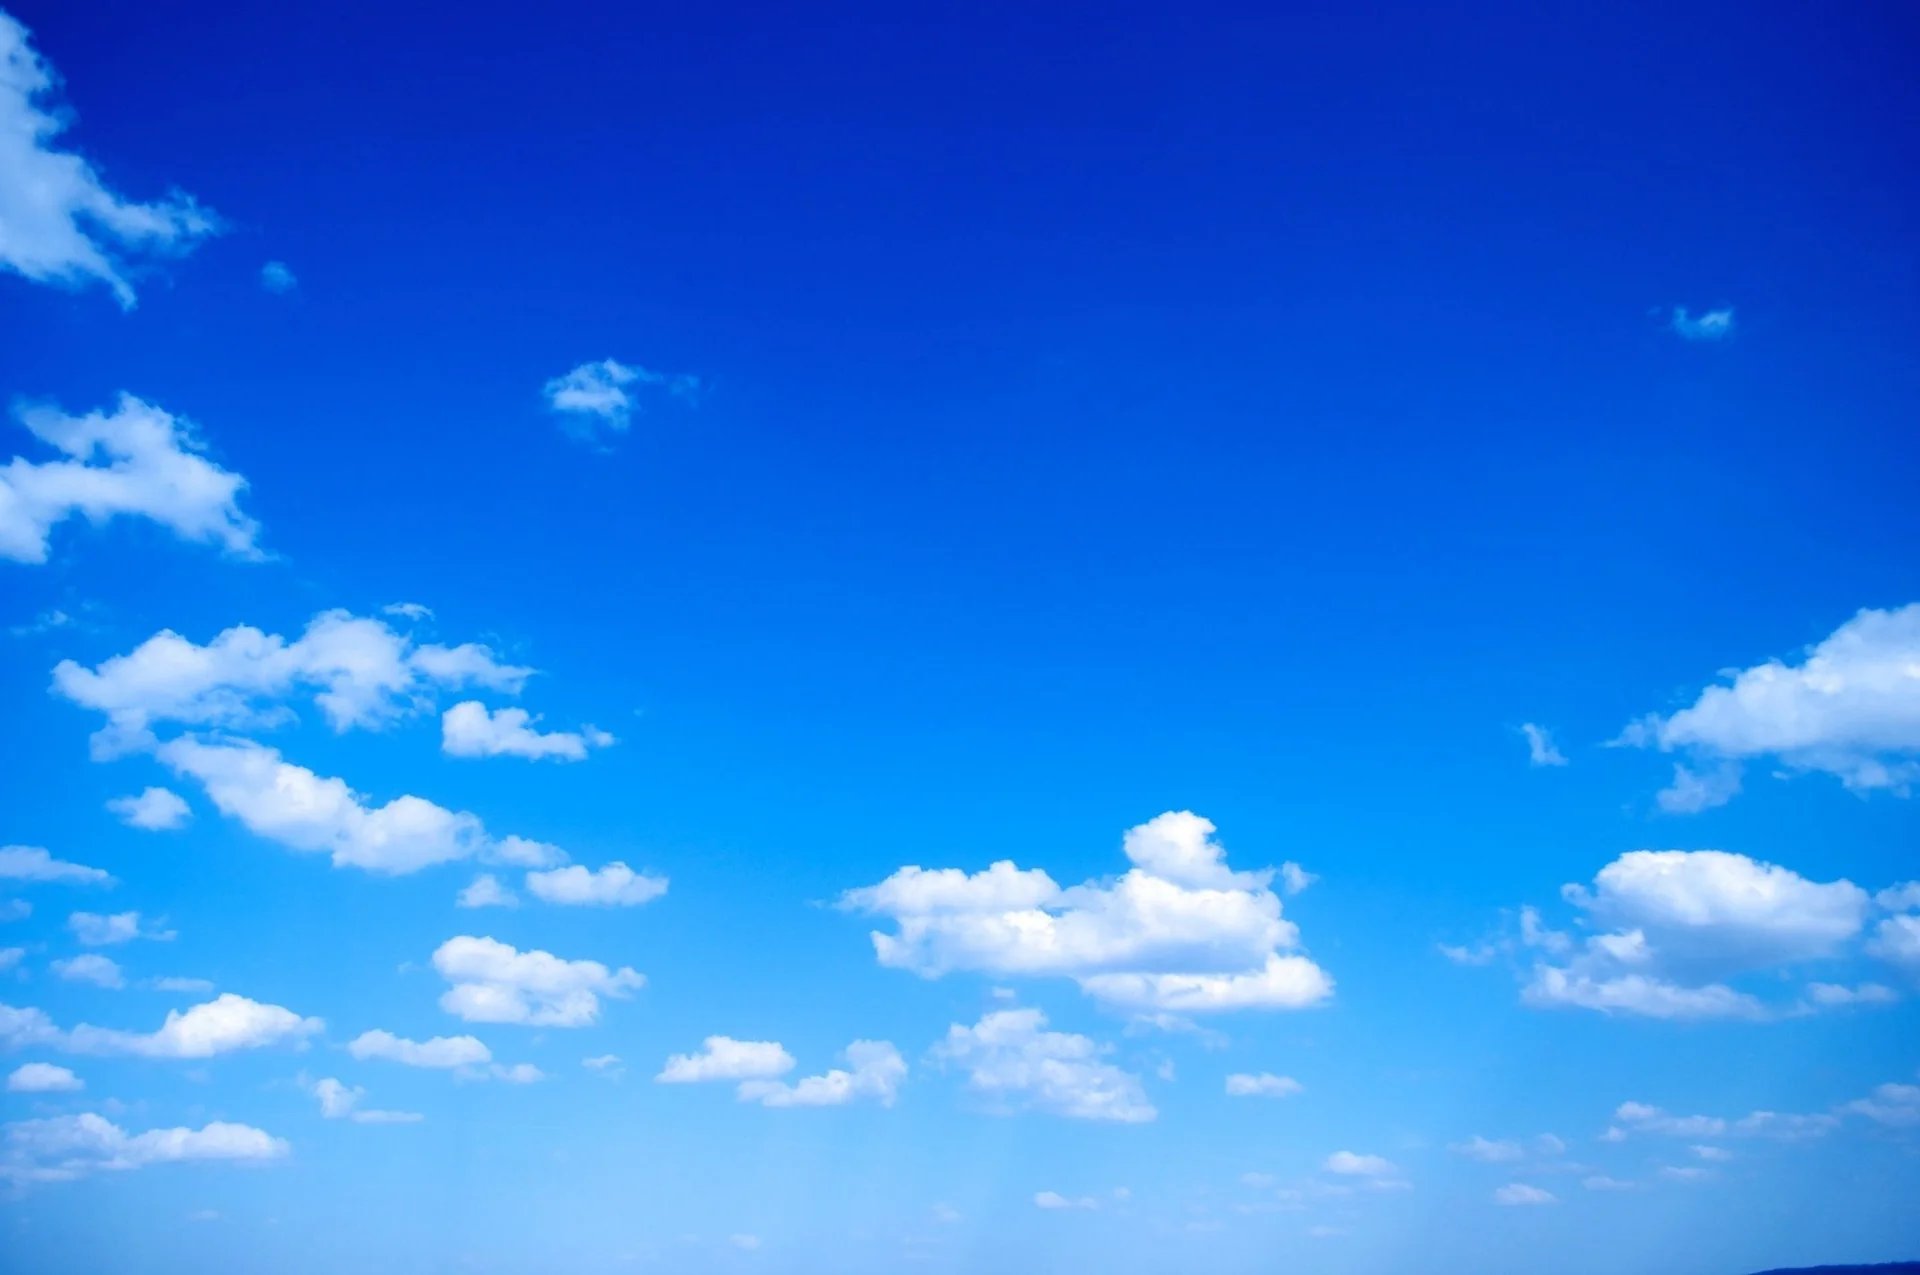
pixel 91 968
pixel 745 1243
pixel 1294 879
pixel 1519 1193
pixel 1054 1201
pixel 1541 750
pixel 277 279
pixel 408 610
pixel 485 891
pixel 1714 325
pixel 1263 1085
pixel 604 395
pixel 155 810
pixel 1693 791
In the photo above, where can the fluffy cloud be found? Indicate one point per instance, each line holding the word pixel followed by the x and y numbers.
pixel 1896 940
pixel 90 968
pixel 1850 708
pixel 43 1078
pixel 1180 931
pixel 1540 746
pixel 155 810
pixel 342 1102
pixel 1354 1165
pixel 724 1058
pixel 1714 325
pixel 469 730
pixel 31 863
pixel 1676 923
pixel 226 1024
pixel 293 806
pixel 138 461
pixel 874 1070
pixel 493 982
pixel 1519 1193
pixel 485 891
pixel 66 1147
pixel 442 1052
pixel 96 930
pixel 62 224
pixel 360 671
pixel 604 395
pixel 615 885
pixel 1263 1085
pixel 1012 1059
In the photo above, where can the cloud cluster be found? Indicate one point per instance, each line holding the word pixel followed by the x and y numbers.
pixel 62 1148
pixel 1850 708
pixel 135 461
pixel 62 224
pixel 1013 1061
pixel 468 729
pixel 442 1052
pixel 359 671
pixel 1179 932
pixel 493 982
pixel 874 1070
pixel 97 930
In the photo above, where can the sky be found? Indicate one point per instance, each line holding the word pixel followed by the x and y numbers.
pixel 1026 638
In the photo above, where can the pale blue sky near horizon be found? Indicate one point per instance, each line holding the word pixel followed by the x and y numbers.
pixel 930 439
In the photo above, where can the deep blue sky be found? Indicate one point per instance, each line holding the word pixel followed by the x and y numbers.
pixel 1104 412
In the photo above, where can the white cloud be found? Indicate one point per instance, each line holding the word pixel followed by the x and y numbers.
pixel 1643 1118
pixel 1714 325
pixel 1489 1151
pixel 724 1058
pixel 96 930
pixel 1054 1201
pixel 495 983
pixel 59 222
pixel 151 467
pixel 275 277
pixel 191 986
pixel 1717 1155
pixel 517 1074
pixel 1896 940
pixel 485 891
pixel 604 395
pixel 1294 879
pixel 615 885
pixel 1352 1164
pixel 1850 708
pixel 1829 995
pixel 154 810
pixel 293 806
pixel 607 1065
pixel 339 1101
pixel 1897 1106
pixel 874 1070
pixel 469 730
pixel 442 1052
pixel 1013 1060
pixel 1675 923
pixel 38 1077
pixel 1695 790
pixel 90 968
pixel 1180 931
pixel 361 672
pixel 31 863
pixel 1519 1193
pixel 1263 1085
pixel 1904 897
pixel 223 1025
pixel 1540 746
pixel 62 1148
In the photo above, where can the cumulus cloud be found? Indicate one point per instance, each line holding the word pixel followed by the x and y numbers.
pixel 296 808
pixel 91 968
pixel 874 1070
pixel 1263 1085
pixel 359 671
pixel 1012 1060
pixel 226 1024
pixel 615 885
pixel 442 1052
pixel 135 461
pixel 1675 924
pixel 154 810
pixel 60 223
pixel 469 730
pixel 96 930
pixel 33 863
pixel 1179 932
pixel 339 1101
pixel 605 395
pixel 1540 746
pixel 724 1058
pixel 485 891
pixel 62 1148
pixel 38 1077
pixel 493 982
pixel 1849 708
pixel 1713 325
pixel 1519 1193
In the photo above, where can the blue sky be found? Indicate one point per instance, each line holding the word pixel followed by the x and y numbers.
pixel 547 558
